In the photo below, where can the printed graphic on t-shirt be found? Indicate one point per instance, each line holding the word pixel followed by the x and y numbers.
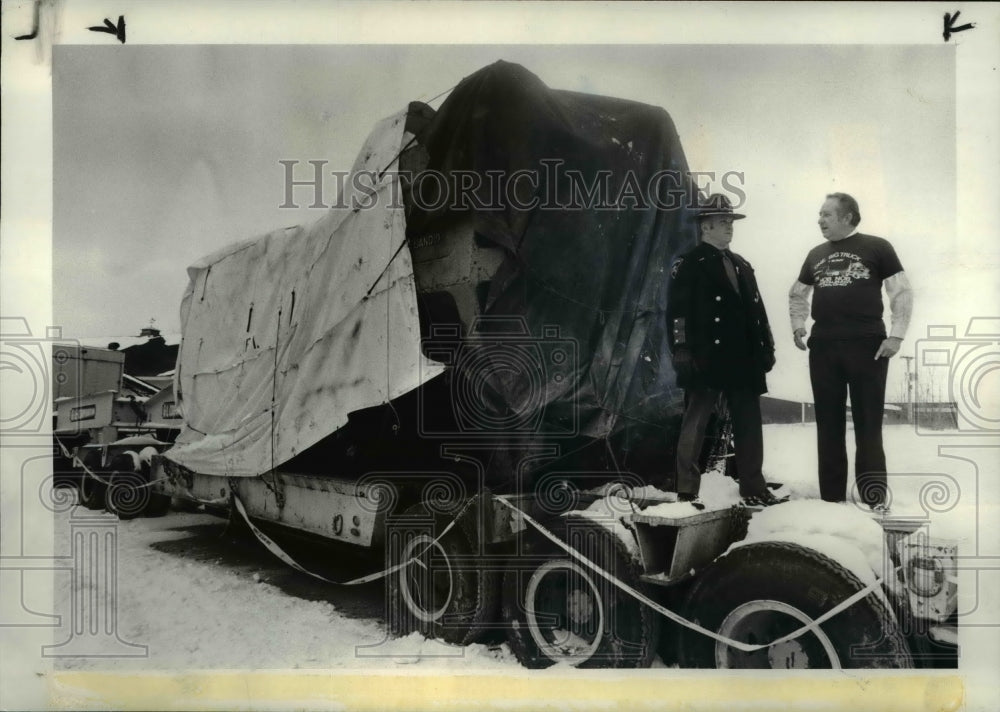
pixel 840 269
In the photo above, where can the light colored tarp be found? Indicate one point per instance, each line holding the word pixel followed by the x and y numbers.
pixel 281 338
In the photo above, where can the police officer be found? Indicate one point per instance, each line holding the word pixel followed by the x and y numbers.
pixel 721 343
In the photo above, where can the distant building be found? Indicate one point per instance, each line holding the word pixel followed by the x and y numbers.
pixel 150 358
pixel 779 410
pixel 894 414
pixel 933 416
pixel 148 354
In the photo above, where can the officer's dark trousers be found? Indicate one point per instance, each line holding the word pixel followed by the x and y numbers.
pixel 836 368
pixel 744 408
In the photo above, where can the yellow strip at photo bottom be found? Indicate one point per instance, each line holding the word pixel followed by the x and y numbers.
pixel 656 689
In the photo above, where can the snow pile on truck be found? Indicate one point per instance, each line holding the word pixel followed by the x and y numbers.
pixel 838 530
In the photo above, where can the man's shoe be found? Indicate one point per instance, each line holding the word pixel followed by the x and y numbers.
pixel 691 499
pixel 881 508
pixel 763 500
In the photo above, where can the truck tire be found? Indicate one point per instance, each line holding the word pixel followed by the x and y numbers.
pixel 761 592
pixel 449 595
pixel 126 495
pixel 91 491
pixel 560 611
pixel 159 503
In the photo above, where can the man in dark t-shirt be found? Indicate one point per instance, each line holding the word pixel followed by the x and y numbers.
pixel 849 351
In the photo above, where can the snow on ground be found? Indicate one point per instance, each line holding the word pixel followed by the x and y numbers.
pixel 199 600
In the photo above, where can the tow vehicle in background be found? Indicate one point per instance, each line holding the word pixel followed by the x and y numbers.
pixel 107 423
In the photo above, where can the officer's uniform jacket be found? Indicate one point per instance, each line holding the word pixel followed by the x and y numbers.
pixel 727 331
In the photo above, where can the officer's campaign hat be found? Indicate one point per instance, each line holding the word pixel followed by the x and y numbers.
pixel 718 204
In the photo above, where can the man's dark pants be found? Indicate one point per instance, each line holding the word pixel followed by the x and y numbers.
pixel 744 409
pixel 837 367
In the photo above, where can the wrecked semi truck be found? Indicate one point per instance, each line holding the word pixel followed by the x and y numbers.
pixel 463 366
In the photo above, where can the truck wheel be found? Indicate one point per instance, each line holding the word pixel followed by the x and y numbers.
pixel 92 492
pixel 159 503
pixel 560 611
pixel 445 593
pixel 761 592
pixel 126 496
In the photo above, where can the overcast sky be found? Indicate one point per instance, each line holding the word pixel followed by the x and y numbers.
pixel 163 154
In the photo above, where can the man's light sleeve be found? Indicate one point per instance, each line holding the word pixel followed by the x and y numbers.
pixel 798 304
pixel 900 303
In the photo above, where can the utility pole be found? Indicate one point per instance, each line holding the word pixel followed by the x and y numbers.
pixel 909 389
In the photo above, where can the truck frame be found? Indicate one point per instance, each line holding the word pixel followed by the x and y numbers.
pixel 463 567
